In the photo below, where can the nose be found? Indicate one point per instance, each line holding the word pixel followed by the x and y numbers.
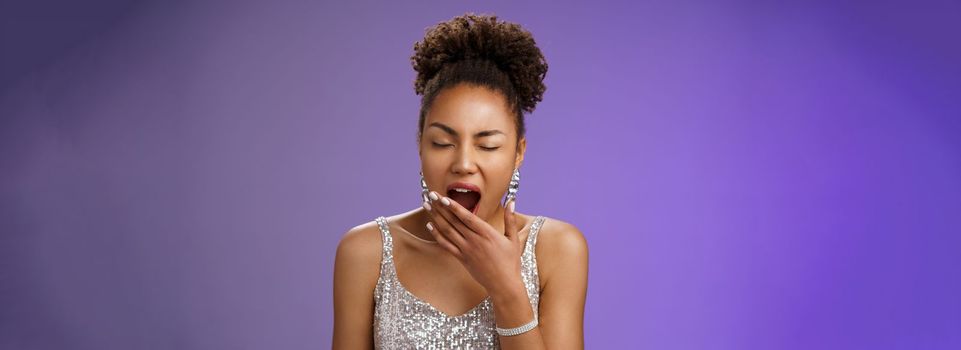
pixel 464 163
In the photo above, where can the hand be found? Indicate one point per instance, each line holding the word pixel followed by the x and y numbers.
pixel 492 258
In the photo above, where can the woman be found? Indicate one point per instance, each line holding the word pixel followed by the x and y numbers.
pixel 465 270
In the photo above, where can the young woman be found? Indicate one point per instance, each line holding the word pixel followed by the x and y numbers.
pixel 465 270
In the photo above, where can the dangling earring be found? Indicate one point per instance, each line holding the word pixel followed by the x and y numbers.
pixel 423 187
pixel 512 187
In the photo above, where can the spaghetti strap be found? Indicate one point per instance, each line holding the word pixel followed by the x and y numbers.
pixel 529 271
pixel 536 224
pixel 387 254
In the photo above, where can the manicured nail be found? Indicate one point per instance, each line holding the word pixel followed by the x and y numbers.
pixel 430 227
pixel 426 206
pixel 432 196
pixel 445 201
pixel 511 206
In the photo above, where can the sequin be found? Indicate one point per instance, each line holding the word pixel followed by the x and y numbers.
pixel 403 321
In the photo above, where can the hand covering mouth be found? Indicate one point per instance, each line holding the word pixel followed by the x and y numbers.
pixel 465 194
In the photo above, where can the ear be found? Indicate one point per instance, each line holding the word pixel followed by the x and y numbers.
pixel 521 148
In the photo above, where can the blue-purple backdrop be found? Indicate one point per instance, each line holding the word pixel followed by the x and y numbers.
pixel 749 175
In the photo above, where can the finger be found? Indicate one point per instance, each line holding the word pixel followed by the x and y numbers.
pixel 510 223
pixel 443 208
pixel 440 224
pixel 440 238
pixel 467 219
pixel 436 229
pixel 444 242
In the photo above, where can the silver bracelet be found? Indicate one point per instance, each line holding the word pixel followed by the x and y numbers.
pixel 509 332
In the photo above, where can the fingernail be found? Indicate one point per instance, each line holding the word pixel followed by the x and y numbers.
pixel 445 201
pixel 430 227
pixel 511 206
pixel 426 206
pixel 432 196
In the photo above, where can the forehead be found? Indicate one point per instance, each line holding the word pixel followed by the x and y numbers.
pixel 471 108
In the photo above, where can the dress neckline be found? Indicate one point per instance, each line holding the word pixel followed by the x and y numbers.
pixel 487 300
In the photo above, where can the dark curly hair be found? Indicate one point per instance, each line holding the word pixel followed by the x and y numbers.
pixel 480 50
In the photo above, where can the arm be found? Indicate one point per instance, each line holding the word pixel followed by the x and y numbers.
pixel 563 259
pixel 356 269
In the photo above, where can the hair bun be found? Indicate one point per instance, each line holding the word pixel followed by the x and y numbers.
pixel 482 37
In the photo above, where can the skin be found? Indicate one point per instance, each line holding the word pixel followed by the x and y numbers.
pixel 469 136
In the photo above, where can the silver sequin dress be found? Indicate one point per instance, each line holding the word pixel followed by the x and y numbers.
pixel 403 321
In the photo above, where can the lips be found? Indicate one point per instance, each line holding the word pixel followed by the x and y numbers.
pixel 465 194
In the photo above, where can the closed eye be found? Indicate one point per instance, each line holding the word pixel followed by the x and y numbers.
pixel 444 145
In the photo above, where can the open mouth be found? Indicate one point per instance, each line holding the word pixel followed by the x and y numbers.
pixel 468 196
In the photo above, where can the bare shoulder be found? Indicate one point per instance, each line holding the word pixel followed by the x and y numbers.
pixel 363 235
pixel 560 236
pixel 360 250
pixel 356 270
pixel 559 243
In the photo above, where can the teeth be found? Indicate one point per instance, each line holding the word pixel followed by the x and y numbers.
pixel 462 190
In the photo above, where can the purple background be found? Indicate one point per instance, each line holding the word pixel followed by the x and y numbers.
pixel 749 175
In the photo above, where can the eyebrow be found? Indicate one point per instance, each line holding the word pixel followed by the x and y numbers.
pixel 451 131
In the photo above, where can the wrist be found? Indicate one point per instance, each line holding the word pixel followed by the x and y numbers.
pixel 512 306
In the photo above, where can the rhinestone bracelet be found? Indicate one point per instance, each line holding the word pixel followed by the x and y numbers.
pixel 509 332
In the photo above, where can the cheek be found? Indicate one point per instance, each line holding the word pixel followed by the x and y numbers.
pixel 433 171
pixel 497 183
pixel 434 178
pixel 432 164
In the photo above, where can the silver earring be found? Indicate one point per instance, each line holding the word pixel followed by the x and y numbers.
pixel 512 187
pixel 423 187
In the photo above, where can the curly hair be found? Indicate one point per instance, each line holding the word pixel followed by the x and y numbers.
pixel 483 51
